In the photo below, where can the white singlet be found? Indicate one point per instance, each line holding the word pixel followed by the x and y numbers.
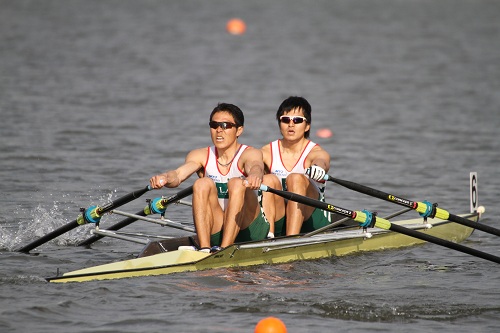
pixel 213 172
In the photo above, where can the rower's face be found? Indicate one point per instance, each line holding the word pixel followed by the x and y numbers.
pixel 225 132
pixel 293 124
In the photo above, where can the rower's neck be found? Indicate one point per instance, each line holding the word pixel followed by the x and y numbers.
pixel 228 154
pixel 293 147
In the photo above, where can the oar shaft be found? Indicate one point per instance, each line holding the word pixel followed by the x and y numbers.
pixel 310 202
pixel 123 200
pixel 380 223
pixel 51 235
pixel 474 225
pixel 440 213
pixel 117 226
pixel 443 242
pixel 345 219
pixel 72 225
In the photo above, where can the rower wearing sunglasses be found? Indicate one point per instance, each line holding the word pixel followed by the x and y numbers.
pixel 226 207
pixel 296 164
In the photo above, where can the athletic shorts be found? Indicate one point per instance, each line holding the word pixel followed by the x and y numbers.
pixel 279 227
pixel 257 230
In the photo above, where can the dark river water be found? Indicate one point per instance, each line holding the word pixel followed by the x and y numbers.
pixel 98 96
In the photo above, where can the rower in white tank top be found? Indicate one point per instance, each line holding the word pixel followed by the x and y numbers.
pixel 213 172
pixel 277 168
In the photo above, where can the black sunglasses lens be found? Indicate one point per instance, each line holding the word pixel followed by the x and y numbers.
pixel 223 124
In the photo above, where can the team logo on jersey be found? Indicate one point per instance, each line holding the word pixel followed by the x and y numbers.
pixel 215 178
pixel 280 173
pixel 222 192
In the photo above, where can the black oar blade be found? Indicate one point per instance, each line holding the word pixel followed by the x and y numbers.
pixel 42 240
pixel 72 225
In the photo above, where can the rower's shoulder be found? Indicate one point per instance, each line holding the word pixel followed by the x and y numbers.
pixel 197 154
pixel 317 150
pixel 266 147
pixel 250 150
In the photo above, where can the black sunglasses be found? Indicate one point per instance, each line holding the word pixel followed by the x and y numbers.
pixel 295 119
pixel 222 124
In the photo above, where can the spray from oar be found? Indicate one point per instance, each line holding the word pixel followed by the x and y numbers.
pixel 92 214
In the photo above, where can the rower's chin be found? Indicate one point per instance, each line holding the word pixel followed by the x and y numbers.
pixel 291 135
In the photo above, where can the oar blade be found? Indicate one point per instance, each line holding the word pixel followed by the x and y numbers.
pixel 72 225
pixel 53 234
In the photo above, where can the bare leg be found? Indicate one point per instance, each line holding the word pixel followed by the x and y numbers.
pixel 296 213
pixel 208 219
pixel 242 209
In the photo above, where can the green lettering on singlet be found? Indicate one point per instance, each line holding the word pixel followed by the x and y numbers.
pixel 222 190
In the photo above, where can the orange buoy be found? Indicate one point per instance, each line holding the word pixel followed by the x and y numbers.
pixel 236 26
pixel 324 133
pixel 270 325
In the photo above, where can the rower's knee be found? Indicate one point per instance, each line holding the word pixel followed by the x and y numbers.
pixel 204 184
pixel 271 181
pixel 296 181
pixel 235 185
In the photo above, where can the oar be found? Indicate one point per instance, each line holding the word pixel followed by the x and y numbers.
pixel 90 215
pixel 365 218
pixel 424 208
pixel 345 219
pixel 157 206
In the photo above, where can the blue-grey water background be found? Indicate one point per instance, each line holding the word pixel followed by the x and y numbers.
pixel 98 96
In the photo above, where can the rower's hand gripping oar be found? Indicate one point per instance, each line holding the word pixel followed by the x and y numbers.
pixel 155 206
pixel 368 219
pixel 90 215
pixel 425 208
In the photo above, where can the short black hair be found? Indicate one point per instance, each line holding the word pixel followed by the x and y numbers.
pixel 235 111
pixel 295 102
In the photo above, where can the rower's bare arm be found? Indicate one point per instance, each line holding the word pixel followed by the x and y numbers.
pixel 254 167
pixel 266 156
pixel 320 157
pixel 173 178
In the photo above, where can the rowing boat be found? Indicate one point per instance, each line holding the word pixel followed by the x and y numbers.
pixel 340 238
pixel 175 255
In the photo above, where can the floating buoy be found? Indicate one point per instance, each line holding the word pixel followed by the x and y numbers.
pixel 324 133
pixel 236 26
pixel 270 325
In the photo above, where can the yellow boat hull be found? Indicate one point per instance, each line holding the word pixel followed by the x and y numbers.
pixel 272 251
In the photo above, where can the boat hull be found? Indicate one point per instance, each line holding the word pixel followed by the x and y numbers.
pixel 276 251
